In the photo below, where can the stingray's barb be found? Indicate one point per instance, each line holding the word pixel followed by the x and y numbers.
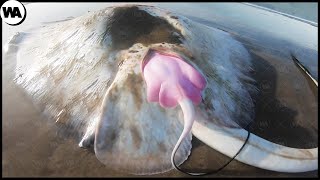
pixel 189 115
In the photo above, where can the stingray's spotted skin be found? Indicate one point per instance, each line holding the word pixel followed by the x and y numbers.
pixel 85 74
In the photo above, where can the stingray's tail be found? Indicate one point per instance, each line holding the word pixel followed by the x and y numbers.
pixel 188 113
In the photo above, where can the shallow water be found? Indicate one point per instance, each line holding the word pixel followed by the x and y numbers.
pixel 286 110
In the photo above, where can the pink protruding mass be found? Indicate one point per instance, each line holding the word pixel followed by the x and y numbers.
pixel 169 79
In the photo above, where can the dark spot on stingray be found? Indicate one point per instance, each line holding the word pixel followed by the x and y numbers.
pixel 222 29
pixel 162 147
pixel 108 144
pixel 134 84
pixel 130 25
pixel 91 84
pixel 174 17
pixel 113 136
pixel 120 63
pixel 133 51
pixel 136 137
pixel 90 35
pixel 114 93
pixel 207 100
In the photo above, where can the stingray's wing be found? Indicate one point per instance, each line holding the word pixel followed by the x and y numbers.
pixel 292 87
pixel 66 68
pixel 226 64
pixel 133 135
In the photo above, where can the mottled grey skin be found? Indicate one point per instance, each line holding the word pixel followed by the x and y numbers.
pixel 76 101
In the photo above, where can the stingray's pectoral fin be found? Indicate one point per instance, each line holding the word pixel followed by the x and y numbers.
pixel 133 135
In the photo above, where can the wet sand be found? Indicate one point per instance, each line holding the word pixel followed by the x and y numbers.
pixel 286 114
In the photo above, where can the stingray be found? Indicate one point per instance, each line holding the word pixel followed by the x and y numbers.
pixel 136 82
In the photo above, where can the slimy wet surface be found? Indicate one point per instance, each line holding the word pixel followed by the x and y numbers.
pixel 286 113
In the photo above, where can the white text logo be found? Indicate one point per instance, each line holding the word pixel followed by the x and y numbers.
pixel 13 12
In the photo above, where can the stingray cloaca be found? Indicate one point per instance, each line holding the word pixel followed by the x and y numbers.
pixel 92 76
